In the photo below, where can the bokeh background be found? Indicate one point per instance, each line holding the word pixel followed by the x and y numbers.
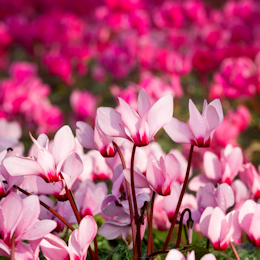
pixel 60 60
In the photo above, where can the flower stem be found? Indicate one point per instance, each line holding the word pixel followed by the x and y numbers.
pixel 129 199
pixel 150 225
pixel 48 208
pixel 180 226
pixel 234 250
pixel 72 201
pixel 180 199
pixel 138 235
pixel 13 247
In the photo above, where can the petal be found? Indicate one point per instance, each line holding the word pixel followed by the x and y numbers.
pixel 53 247
pixel 110 231
pixel 160 114
pixel 212 166
pixel 111 207
pixel 39 230
pixel 18 166
pixel 218 226
pixel 144 103
pixel 199 181
pixel 154 174
pixel 73 167
pixel 110 122
pixel 87 232
pixel 175 254
pixel 204 220
pixel 10 214
pixel 217 105
pixel 178 131
pixel 31 211
pixel 246 214
pixel 85 135
pixel 227 196
pixel 63 145
pixel 139 179
pixel 254 229
pixel 129 117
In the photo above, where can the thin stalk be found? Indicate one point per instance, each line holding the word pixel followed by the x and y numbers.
pixel 48 208
pixel 150 225
pixel 138 235
pixel 13 247
pixel 96 247
pixel 208 243
pixel 234 250
pixel 129 199
pixel 180 226
pixel 180 199
pixel 72 201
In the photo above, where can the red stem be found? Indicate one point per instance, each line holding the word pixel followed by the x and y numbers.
pixel 129 199
pixel 234 250
pixel 72 201
pixel 180 199
pixel 13 247
pixel 150 225
pixel 138 235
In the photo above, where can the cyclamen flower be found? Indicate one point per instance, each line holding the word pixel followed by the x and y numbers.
pixel 219 228
pixel 139 127
pixel 200 128
pixel 20 216
pixel 249 215
pixel 162 173
pixel 48 163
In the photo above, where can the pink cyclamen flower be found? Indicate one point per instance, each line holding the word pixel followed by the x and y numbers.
pixel 219 228
pixel 139 127
pixel 175 254
pixel 249 215
pixel 209 196
pixel 162 173
pixel 55 248
pixel 49 163
pixel 200 128
pixel 95 139
pixel 251 177
pixel 20 216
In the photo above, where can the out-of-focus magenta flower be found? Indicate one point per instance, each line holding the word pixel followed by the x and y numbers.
pixel 5 37
pixel 83 103
pixel 169 15
pixel 249 215
pixel 219 228
pixel 233 124
pixel 237 77
pixel 59 65
pixel 200 128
